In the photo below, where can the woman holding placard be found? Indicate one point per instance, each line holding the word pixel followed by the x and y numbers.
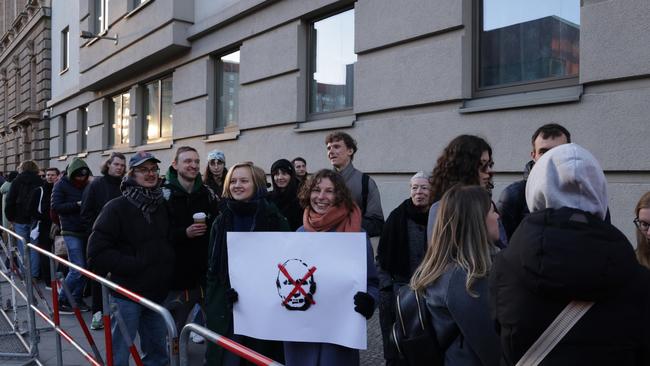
pixel 245 209
pixel 329 207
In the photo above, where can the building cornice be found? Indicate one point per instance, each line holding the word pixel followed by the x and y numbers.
pixel 33 12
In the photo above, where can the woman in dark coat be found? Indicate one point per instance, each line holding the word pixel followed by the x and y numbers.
pixel 563 251
pixel 401 249
pixel 642 222
pixel 244 209
pixel 285 192
pixel 215 172
pixel 453 277
pixel 329 207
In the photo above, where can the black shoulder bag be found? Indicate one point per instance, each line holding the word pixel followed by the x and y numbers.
pixel 412 333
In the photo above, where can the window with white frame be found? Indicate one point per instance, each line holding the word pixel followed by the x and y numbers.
pixel 100 16
pixel 332 60
pixel 135 3
pixel 119 117
pixel 65 48
pixel 525 45
pixel 227 91
pixel 83 128
pixel 157 110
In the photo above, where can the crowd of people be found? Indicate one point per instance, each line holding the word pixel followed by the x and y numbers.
pixel 494 275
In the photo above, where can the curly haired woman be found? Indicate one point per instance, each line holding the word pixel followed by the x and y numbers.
pixel 466 160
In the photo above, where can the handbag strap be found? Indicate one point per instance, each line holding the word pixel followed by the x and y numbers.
pixel 560 326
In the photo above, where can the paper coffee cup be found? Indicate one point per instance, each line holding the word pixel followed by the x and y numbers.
pixel 199 218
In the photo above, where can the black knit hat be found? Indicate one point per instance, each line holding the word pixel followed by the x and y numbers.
pixel 283 164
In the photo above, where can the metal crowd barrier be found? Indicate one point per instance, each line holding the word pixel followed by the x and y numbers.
pixel 221 341
pixel 95 359
pixel 10 274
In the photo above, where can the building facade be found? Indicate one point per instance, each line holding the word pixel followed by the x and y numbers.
pixel 269 79
pixel 24 82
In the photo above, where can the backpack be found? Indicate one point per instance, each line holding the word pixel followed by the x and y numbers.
pixel 412 334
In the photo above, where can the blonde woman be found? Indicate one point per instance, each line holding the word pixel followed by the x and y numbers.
pixel 244 208
pixel 642 222
pixel 453 276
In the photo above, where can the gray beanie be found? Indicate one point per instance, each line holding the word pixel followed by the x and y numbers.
pixel 567 176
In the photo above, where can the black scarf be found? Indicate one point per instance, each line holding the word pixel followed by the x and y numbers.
pixel 393 251
pixel 146 199
pixel 255 212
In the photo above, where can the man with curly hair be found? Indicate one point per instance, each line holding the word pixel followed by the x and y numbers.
pixel 341 148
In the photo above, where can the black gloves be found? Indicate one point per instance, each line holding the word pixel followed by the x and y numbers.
pixel 364 304
pixel 231 297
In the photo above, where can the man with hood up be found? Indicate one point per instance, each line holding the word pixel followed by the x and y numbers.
pixel 66 201
pixel 563 251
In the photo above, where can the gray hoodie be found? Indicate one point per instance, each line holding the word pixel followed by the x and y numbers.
pixel 567 176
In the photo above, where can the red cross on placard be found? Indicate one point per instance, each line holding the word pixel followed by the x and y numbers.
pixel 297 286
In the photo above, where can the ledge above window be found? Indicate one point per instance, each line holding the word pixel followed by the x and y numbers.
pixel 326 124
pixel 527 99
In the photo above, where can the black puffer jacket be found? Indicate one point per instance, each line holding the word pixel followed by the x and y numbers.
pixel 95 196
pixel 560 255
pixel 17 208
pixel 136 253
pixel 191 261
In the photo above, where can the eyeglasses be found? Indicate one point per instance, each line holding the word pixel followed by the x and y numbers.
pixel 486 165
pixel 145 171
pixel 641 225
pixel 42 176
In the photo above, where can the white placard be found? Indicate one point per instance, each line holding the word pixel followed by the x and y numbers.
pixel 333 266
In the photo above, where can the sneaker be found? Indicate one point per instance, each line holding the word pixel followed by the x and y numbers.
pixel 197 338
pixel 97 322
pixel 65 308
pixel 83 307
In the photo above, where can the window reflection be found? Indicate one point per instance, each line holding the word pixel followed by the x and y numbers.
pixel 228 106
pixel 157 110
pixel 120 119
pixel 333 59
pixel 524 41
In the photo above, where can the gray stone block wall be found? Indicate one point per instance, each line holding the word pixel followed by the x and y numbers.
pixel 413 73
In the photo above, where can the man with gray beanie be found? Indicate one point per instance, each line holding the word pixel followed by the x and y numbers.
pixel 566 251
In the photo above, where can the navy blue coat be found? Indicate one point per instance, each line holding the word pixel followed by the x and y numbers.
pixel 462 322
pixel 64 201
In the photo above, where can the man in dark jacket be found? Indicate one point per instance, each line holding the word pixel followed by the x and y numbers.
pixel 98 193
pixel 512 201
pixel 39 208
pixel 130 240
pixel 186 197
pixel 566 251
pixel 66 201
pixel 17 208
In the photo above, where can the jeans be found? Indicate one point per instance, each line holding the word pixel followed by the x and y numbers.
pixel 181 304
pixel 151 328
pixel 24 230
pixel 74 280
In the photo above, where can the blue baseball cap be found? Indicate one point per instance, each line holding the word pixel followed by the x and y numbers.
pixel 140 157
